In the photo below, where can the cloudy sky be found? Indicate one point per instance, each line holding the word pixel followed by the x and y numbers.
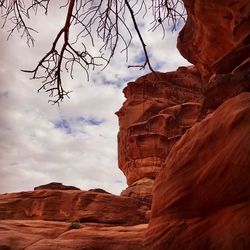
pixel 74 143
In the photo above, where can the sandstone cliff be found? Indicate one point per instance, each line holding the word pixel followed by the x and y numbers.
pixel 158 111
pixel 202 194
pixel 202 197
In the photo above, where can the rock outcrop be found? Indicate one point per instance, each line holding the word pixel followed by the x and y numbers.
pixel 202 198
pixel 159 109
pixel 73 205
pixel 56 186
pixel 214 28
pixel 221 87
pixel 98 190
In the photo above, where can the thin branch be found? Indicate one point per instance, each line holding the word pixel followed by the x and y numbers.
pixel 147 62
pixel 106 20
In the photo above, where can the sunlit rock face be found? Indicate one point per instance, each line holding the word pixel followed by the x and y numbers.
pixel 158 111
pixel 212 30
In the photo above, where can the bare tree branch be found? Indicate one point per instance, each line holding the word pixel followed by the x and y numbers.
pixel 147 62
pixel 106 20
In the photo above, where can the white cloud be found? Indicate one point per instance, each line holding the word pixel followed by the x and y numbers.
pixel 34 149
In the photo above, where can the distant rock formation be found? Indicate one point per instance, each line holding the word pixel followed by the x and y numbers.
pixel 98 190
pixel 56 186
pixel 42 219
pixel 73 205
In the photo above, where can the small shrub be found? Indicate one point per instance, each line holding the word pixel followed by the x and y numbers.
pixel 75 225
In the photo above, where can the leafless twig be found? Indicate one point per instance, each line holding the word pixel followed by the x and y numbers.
pixel 106 20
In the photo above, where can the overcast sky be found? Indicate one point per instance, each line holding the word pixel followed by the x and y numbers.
pixel 75 143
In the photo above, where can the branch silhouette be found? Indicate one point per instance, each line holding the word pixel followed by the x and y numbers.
pixel 106 20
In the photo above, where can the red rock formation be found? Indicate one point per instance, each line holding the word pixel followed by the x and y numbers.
pixel 212 30
pixel 224 86
pixel 158 110
pixel 56 186
pixel 45 235
pixel 83 206
pixel 202 196
pixel 234 58
pixel 98 190
pixel 191 131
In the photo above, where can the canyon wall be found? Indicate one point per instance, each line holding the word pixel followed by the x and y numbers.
pixel 201 196
pixel 160 107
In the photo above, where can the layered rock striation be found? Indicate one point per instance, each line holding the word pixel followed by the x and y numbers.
pixel 51 218
pixel 73 205
pixel 158 110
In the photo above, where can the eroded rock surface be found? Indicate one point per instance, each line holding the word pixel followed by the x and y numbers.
pixel 82 206
pixel 222 87
pixel 157 112
pixel 45 235
pixel 212 30
pixel 202 196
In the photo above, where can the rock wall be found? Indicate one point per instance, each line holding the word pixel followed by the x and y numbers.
pixel 201 197
pixel 212 30
pixel 158 110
